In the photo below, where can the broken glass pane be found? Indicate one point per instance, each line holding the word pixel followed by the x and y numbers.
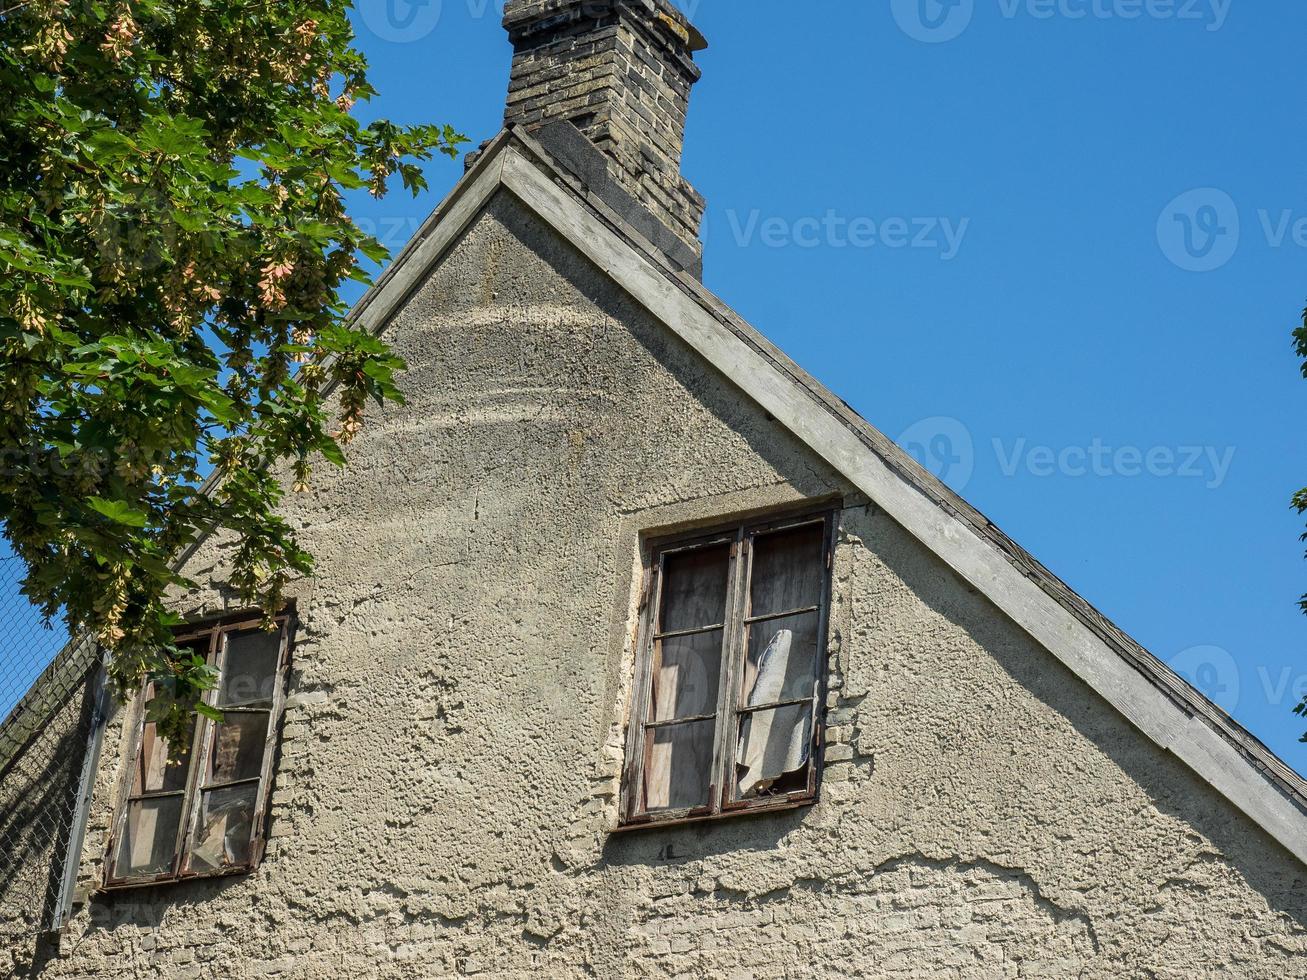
pixel 773 743
pixel 694 589
pixel 787 570
pixel 222 833
pixel 156 770
pixel 686 672
pixel 678 765
pixel 250 673
pixel 149 837
pixel 781 664
pixel 238 744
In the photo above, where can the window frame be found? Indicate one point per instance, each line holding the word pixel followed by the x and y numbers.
pixel 740 534
pixel 217 630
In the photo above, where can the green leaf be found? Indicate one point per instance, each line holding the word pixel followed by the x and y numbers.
pixel 332 452
pixel 213 714
pixel 118 511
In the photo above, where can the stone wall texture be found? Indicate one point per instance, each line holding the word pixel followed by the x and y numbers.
pixel 449 774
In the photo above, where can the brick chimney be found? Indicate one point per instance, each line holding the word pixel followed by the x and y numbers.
pixel 620 71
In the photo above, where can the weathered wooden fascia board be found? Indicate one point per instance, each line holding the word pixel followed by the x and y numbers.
pixel 450 218
pixel 1211 756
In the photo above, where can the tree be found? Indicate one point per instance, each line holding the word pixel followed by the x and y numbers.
pixel 173 235
pixel 1300 498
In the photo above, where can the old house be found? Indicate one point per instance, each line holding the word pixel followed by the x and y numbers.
pixel 633 651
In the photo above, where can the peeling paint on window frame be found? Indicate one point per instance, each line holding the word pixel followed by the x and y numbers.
pixel 740 534
pixel 217 630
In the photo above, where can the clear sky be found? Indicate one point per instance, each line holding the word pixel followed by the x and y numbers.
pixel 27 645
pixel 1056 247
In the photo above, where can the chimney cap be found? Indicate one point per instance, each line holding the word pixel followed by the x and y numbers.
pixel 523 17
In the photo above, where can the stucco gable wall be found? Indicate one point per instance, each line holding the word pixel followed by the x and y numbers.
pixel 452 747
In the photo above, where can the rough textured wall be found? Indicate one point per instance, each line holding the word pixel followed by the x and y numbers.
pixel 449 773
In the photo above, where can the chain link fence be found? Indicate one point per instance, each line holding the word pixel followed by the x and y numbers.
pixel 47 704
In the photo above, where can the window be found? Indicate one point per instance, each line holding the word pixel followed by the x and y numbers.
pixel 204 816
pixel 730 675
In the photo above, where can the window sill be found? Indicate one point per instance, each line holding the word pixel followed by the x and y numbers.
pixel 109 888
pixel 782 806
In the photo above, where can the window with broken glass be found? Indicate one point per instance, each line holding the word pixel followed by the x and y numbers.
pixel 730 675
pixel 200 812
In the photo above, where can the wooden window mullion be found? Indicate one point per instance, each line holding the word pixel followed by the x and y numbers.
pixel 744 618
pixel 818 747
pixel 643 688
pixel 259 823
pixel 199 756
pixel 646 695
pixel 118 828
pixel 671 722
pixel 722 751
pixel 697 631
pixel 817 693
pixel 753 709
pixel 750 620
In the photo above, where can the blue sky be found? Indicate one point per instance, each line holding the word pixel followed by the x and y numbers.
pixel 27 645
pixel 1056 247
